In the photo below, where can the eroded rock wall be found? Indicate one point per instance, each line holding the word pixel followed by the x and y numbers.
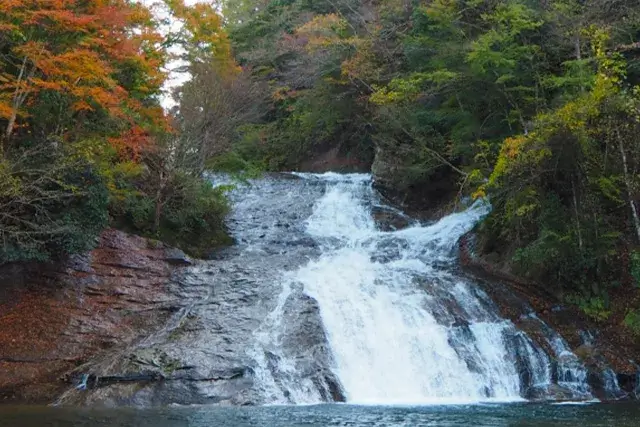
pixel 54 318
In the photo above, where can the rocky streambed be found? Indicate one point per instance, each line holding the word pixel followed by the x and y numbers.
pixel 327 295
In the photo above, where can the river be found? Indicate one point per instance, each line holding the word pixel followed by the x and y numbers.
pixel 483 415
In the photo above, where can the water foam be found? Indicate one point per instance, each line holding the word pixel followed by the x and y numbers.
pixel 403 327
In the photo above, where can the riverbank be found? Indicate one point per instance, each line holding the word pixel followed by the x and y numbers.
pixel 55 317
pixel 599 345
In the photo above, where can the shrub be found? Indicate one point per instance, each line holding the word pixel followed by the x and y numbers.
pixel 635 267
pixel 52 204
pixel 632 321
pixel 184 211
pixel 595 307
pixel 193 217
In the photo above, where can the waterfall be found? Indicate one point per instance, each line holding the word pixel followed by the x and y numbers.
pixel 402 324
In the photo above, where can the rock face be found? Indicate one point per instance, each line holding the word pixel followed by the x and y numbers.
pixel 389 219
pixel 137 323
pixel 56 318
pixel 237 328
pixel 336 160
pixel 429 196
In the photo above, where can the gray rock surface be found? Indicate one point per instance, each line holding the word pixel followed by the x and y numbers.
pixel 221 344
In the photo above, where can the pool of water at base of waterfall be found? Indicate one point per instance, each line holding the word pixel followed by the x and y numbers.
pixel 477 415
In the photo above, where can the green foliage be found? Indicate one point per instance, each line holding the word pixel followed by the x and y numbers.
pixel 594 307
pixel 302 52
pixel 635 267
pixel 56 201
pixel 53 204
pixel 236 165
pixel 560 192
pixel 535 105
pixel 190 216
pixel 632 321
pixel 193 217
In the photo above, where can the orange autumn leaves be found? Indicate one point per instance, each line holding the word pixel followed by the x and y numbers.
pixel 103 56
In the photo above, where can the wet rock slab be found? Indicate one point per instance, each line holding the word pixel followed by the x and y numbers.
pixel 611 372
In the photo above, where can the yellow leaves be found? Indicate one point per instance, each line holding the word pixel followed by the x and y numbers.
pixel 329 25
pixel 474 178
pixel 104 160
pixel 480 193
pixel 384 96
pixel 511 146
pixel 524 204
pixel 322 31
pixel 411 87
pixel 516 154
pixel 5 110
pixel 10 184
pixel 610 187
pixel 526 209
pixel 200 32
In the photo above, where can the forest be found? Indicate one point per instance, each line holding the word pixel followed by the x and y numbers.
pixel 86 143
pixel 533 105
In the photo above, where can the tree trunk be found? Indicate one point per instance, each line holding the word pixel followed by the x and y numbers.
pixel 9 130
pixel 203 154
pixel 627 182
pixel 575 210
pixel 159 202
pixel 19 96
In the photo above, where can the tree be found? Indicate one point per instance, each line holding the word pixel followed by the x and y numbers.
pixel 211 106
pixel 84 138
pixel 100 56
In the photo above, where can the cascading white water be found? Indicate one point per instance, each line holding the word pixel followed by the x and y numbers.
pixel 402 325
pixel 388 346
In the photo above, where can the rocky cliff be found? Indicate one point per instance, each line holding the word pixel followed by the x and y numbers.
pixel 55 318
pixel 135 322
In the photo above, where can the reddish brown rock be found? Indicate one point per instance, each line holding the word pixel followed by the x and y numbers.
pixel 53 318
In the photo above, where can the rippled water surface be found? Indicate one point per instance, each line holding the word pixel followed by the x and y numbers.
pixel 616 415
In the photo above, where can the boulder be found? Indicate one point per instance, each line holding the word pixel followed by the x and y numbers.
pixel 175 256
pixel 388 219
